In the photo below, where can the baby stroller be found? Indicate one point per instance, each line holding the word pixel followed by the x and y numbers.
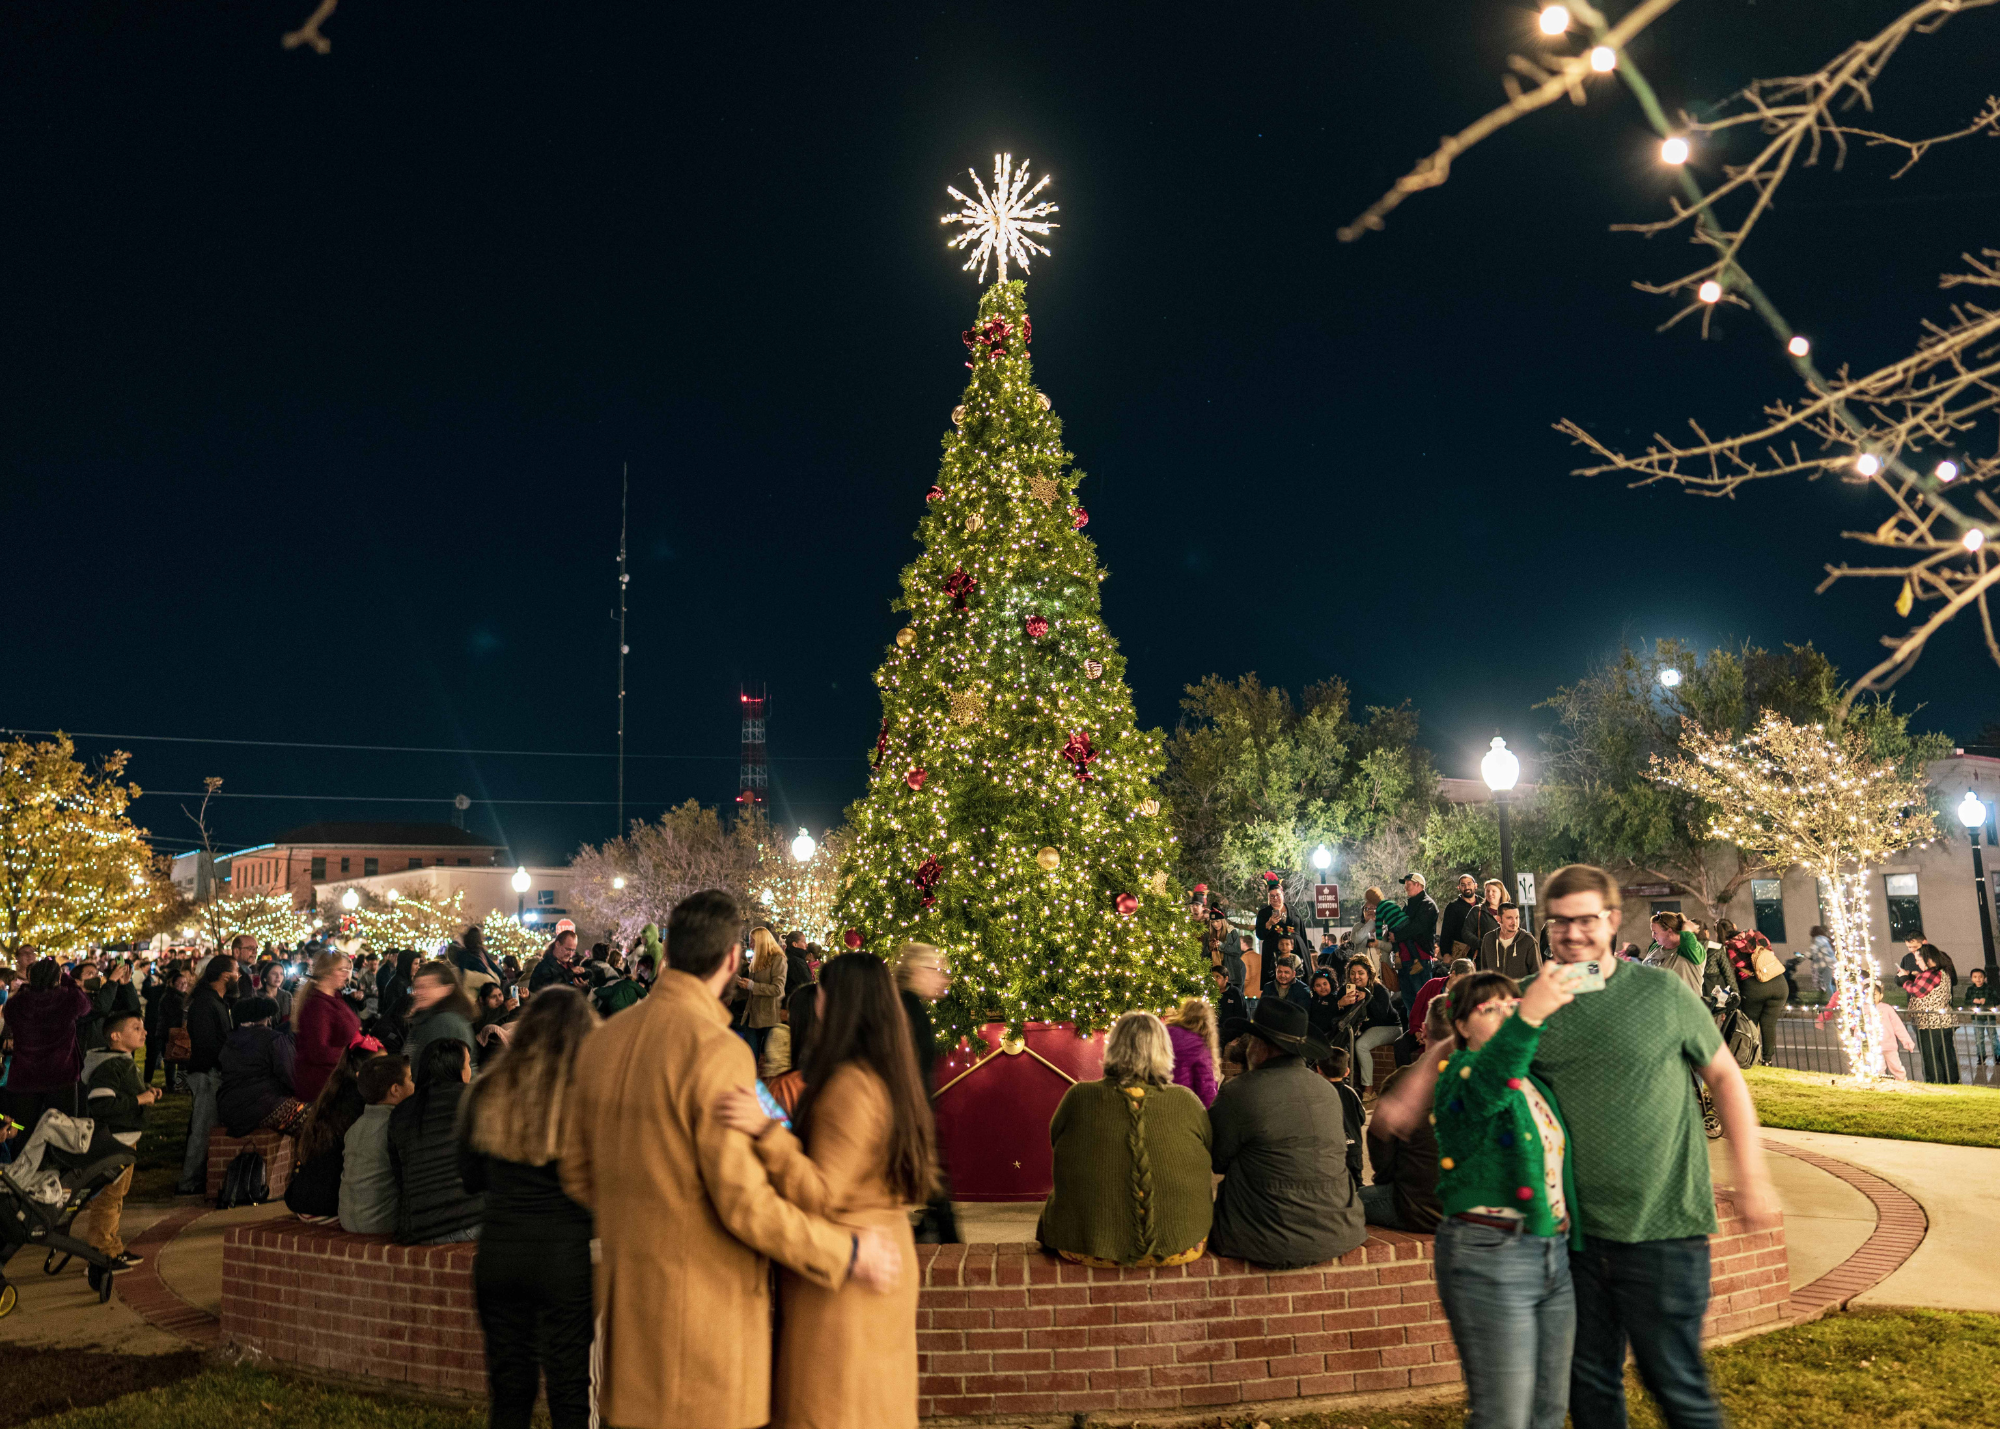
pixel 66 1161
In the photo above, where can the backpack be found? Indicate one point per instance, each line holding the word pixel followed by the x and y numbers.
pixel 1740 1035
pixel 244 1183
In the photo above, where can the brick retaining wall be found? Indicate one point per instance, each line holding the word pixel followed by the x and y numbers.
pixel 1001 1329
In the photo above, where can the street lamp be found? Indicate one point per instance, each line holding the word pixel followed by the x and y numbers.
pixel 521 881
pixel 1670 677
pixel 350 900
pixel 392 895
pixel 1972 813
pixel 803 847
pixel 1322 859
pixel 1501 769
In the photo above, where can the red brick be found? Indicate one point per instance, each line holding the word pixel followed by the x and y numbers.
pixel 1211 1394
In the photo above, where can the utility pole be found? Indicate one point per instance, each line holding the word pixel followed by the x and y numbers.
pixel 624 506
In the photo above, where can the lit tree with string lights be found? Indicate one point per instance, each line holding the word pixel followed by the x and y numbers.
pixel 1801 795
pixel 1011 817
pixel 1919 431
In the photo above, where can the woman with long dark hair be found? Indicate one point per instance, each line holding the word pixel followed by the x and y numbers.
pixel 1931 1014
pixel 865 1153
pixel 314 1191
pixel 531 1278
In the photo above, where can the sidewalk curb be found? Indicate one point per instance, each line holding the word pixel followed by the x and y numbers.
pixel 147 1295
pixel 1900 1227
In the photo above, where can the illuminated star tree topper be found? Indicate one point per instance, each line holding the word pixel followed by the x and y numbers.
pixel 997 223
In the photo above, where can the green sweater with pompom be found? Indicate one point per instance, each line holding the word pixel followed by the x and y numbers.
pixel 1489 1149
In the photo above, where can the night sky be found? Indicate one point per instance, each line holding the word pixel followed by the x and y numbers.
pixel 321 369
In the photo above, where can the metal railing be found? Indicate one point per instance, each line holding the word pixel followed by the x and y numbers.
pixel 1805 1047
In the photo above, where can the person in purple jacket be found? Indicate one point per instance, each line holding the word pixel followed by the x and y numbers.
pixel 1192 1033
pixel 48 1055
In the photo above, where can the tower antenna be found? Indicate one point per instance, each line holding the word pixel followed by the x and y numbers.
pixel 624 503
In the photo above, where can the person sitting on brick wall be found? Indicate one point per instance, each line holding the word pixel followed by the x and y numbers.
pixel 313 1193
pixel 256 1068
pixel 367 1179
pixel 432 1205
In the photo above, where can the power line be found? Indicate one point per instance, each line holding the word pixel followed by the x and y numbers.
pixel 361 798
pixel 432 749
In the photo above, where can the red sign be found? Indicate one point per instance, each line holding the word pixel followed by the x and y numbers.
pixel 1326 902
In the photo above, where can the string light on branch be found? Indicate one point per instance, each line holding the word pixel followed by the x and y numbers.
pixel 1604 59
pixel 1709 292
pixel 1554 19
pixel 1947 471
pixel 1868 463
pixel 997 223
pixel 1973 538
pixel 1798 347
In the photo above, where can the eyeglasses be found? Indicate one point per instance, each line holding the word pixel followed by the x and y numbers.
pixel 1582 924
pixel 1498 1006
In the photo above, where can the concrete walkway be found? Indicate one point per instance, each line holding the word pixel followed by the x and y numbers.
pixel 1959 1189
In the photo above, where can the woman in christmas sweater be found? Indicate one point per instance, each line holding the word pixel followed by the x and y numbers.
pixel 1505 1188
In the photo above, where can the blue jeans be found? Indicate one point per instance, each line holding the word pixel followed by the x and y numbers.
pixel 1513 1314
pixel 201 1121
pixel 1655 1291
pixel 1985 1038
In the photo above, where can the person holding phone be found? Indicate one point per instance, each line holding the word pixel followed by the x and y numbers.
pixel 1617 1060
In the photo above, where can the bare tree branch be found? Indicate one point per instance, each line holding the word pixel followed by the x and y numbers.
pixel 308 33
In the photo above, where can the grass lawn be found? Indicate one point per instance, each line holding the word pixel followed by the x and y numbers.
pixel 161 1147
pixel 1906 1369
pixel 1912 1111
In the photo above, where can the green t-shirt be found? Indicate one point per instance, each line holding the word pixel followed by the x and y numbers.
pixel 1620 1064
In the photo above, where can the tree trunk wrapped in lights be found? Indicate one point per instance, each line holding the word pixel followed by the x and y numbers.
pixel 1799 794
pixel 1011 818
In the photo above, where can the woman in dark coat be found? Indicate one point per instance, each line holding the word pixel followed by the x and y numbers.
pixel 48 1056
pixel 256 1066
pixel 432 1205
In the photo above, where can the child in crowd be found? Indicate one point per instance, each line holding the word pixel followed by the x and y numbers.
pixel 114 1098
pixel 367 1180
pixel 1982 998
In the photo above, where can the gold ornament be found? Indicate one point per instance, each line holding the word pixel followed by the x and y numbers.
pixel 958 415
pixel 1049 859
pixel 1092 668
pixel 974 521
pixel 1043 490
pixel 966 708
pixel 1160 884
pixel 1043 398
pixel 906 637
pixel 1149 808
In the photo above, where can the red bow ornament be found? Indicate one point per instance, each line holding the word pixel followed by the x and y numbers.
pixel 928 874
pixel 1078 752
pixel 960 585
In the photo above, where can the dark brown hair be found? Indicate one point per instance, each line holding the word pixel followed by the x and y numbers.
pixel 1469 994
pixel 381 1076
pixel 1671 921
pixel 701 930
pixel 337 1107
pixel 864 1022
pixel 454 999
pixel 1583 878
pixel 515 1111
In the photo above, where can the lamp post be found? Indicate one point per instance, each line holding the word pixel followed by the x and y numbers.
pixel 1972 813
pixel 1322 860
pixel 521 882
pixel 1501 769
pixel 803 847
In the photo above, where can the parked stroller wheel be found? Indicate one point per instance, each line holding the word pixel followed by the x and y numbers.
pixel 52 1266
pixel 9 1298
pixel 100 1281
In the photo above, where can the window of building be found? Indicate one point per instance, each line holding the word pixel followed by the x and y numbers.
pixel 546 897
pixel 1906 914
pixel 416 863
pixel 1767 897
pixel 319 869
pixel 462 863
pixel 344 863
pixel 1666 905
pixel 370 867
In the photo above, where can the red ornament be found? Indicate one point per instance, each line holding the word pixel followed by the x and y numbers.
pixel 1037 627
pixel 1078 752
pixel 1079 518
pixel 881 743
pixel 1127 904
pixel 915 778
pixel 928 874
pixel 852 937
pixel 936 493
pixel 991 337
pixel 960 585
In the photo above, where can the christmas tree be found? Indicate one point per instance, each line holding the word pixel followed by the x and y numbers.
pixel 1011 817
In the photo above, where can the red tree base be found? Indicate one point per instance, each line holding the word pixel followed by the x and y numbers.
pixel 993 1109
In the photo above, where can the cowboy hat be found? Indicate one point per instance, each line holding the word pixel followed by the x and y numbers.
pixel 1282 1024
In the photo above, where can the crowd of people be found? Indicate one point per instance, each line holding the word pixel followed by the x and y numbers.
pixel 634 1136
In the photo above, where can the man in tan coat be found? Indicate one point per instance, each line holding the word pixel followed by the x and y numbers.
pixel 686 1215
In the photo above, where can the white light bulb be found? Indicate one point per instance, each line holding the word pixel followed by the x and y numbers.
pixel 1604 59
pixel 618 882
pixel 1709 292
pixel 1670 677
pixel 1555 19
pixel 1973 539
pixel 1947 471
pixel 1674 150
pixel 1798 347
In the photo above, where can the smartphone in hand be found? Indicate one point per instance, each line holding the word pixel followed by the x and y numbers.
pixel 1582 977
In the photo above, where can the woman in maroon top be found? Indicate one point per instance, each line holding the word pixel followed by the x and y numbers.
pixel 324 1025
pixel 48 1058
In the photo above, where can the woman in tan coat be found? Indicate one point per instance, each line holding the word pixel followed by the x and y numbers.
pixel 865 1154
pixel 762 987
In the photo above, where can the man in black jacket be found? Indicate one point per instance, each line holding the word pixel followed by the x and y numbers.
pixel 1417 939
pixel 798 970
pixel 1275 921
pixel 208 1028
pixel 1451 929
pixel 558 963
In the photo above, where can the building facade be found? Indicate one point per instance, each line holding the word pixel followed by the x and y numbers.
pixel 307 858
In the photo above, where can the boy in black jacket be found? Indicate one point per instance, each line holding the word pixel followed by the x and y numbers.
pixel 113 1098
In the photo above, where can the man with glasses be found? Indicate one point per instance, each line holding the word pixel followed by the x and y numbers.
pixel 1618 1061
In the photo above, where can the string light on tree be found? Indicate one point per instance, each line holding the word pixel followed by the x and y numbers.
pixel 1801 796
pixel 1709 292
pixel 1798 347
pixel 1554 19
pixel 1603 59
pixel 1973 538
pixel 1947 471
pixel 1674 150
pixel 997 224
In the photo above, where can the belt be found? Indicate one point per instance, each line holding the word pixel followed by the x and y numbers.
pixel 1504 1223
